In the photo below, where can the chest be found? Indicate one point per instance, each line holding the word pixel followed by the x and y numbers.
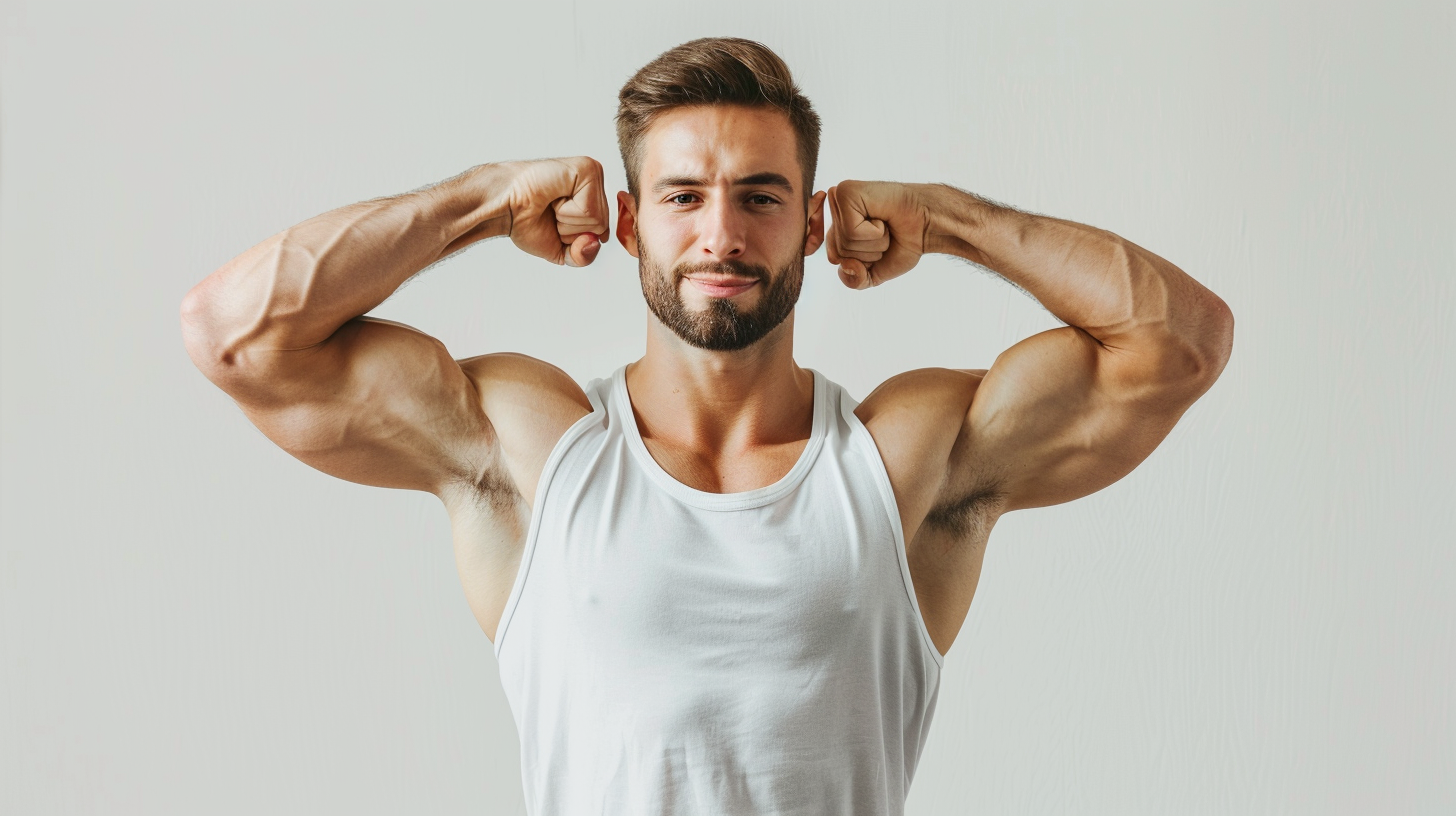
pixel 639 572
pixel 714 471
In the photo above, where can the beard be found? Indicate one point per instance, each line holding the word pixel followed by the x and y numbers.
pixel 722 326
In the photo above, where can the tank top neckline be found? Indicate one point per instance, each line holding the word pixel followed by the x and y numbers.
pixel 744 500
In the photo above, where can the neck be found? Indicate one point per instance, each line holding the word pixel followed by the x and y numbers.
pixel 721 400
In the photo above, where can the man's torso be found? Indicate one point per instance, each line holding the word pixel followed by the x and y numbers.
pixel 530 412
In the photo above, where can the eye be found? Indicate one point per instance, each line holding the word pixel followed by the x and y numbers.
pixel 682 198
pixel 762 199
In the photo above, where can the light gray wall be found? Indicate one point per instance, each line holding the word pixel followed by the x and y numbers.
pixel 1260 619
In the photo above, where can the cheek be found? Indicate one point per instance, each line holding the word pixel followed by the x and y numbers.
pixel 782 237
pixel 669 237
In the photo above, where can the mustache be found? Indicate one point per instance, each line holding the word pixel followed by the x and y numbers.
pixel 734 268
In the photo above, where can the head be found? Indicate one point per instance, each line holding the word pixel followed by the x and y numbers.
pixel 720 149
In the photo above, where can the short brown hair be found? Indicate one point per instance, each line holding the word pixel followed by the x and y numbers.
pixel 713 71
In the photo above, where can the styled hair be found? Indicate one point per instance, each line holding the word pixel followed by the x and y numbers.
pixel 713 71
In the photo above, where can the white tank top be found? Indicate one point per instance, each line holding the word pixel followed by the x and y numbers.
pixel 669 651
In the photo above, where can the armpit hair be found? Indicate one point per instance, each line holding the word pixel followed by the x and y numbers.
pixel 495 488
pixel 484 482
pixel 968 514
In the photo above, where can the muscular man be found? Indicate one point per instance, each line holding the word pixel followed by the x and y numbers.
pixel 714 582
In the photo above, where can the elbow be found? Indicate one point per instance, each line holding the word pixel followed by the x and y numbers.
pixel 1190 355
pixel 1218 341
pixel 1205 344
pixel 194 319
pixel 201 333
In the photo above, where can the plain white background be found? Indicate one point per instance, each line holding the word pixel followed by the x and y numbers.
pixel 1260 619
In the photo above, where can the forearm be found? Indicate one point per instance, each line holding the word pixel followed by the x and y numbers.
pixel 297 288
pixel 1121 294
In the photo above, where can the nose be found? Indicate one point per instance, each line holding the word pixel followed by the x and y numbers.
pixel 722 230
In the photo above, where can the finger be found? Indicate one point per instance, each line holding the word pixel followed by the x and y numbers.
pixel 573 217
pixel 869 235
pixel 836 227
pixel 857 234
pixel 834 235
pixel 863 257
pixel 588 205
pixel 581 250
pixel 603 206
pixel 854 274
pixel 849 211
pixel 587 247
pixel 585 210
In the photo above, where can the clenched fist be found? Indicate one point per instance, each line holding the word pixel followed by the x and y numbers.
pixel 879 232
pixel 558 208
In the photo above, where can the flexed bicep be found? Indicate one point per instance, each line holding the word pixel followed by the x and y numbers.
pixel 1059 416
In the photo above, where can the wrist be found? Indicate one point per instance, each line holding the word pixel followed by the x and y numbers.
pixel 476 202
pixel 954 220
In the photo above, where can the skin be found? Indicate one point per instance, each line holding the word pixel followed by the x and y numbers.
pixel 1057 416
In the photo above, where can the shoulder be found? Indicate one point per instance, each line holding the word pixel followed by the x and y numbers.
pixel 917 420
pixel 529 404
pixel 926 402
pixel 506 379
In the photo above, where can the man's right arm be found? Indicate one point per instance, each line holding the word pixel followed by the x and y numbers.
pixel 280 327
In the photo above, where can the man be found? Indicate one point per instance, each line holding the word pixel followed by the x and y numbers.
pixel 715 583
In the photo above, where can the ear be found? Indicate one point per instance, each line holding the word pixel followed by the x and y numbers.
pixel 627 222
pixel 815 235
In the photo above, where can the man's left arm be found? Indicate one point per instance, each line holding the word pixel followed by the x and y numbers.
pixel 1069 411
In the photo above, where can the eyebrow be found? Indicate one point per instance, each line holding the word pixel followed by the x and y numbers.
pixel 755 180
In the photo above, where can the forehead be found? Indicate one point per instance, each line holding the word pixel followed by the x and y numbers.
pixel 714 141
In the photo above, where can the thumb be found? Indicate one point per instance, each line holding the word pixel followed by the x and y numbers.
pixel 581 250
pixel 855 274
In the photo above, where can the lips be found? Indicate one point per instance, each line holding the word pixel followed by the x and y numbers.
pixel 722 287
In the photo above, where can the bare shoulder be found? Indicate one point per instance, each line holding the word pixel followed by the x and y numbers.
pixel 917 420
pixel 530 403
pixel 923 407
pixel 507 379
pixel 914 389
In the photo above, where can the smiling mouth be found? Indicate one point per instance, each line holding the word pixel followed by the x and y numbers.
pixel 723 287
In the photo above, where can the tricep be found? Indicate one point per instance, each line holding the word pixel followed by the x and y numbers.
pixel 378 403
